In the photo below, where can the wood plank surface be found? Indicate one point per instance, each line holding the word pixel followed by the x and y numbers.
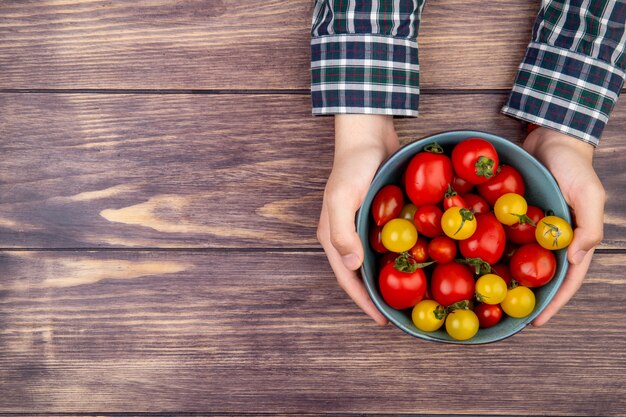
pixel 228 44
pixel 120 331
pixel 82 170
pixel 159 253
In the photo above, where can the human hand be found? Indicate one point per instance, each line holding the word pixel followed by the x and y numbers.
pixel 569 159
pixel 362 142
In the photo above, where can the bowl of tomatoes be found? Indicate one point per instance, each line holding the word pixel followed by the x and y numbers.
pixel 465 237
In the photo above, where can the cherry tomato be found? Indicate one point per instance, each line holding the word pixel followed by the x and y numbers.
pixel 428 316
pixel 442 249
pixel 428 221
pixel 399 235
pixel 503 272
pixel 461 186
pixel 401 289
pixel 462 324
pixel 458 223
pixel 451 283
pixel 491 289
pixel 475 160
pixel 519 302
pixel 419 251
pixel 427 178
pixel 554 233
pixel 476 203
pixel 509 208
pixel 487 242
pixel 488 315
pixel 453 199
pixel 533 266
pixel 408 212
pixel 387 204
pixel 508 180
pixel 376 239
pixel 524 231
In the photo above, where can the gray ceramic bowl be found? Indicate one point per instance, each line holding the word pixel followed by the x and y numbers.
pixel 541 190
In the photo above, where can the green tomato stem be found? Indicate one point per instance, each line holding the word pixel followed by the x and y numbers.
pixel 466 215
pixel 554 231
pixel 484 167
pixel 433 148
pixel 480 267
pixel 406 263
pixel 450 193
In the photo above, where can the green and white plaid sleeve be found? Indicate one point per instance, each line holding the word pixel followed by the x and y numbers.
pixel 364 57
pixel 574 66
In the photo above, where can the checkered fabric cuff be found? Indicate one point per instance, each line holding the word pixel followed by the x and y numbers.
pixel 366 74
pixel 565 91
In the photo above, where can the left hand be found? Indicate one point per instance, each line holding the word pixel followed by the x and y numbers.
pixel 570 161
pixel 362 142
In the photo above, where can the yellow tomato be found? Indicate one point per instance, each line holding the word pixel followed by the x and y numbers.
pixel 554 233
pixel 425 315
pixel 458 223
pixel 519 302
pixel 462 324
pixel 491 289
pixel 509 207
pixel 399 235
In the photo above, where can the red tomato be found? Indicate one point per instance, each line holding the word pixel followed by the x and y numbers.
pixel 475 160
pixel 508 180
pixel 401 289
pixel 375 239
pixel 442 249
pixel 427 178
pixel 502 270
pixel 533 266
pixel 419 252
pixel 487 242
pixel 453 199
pixel 461 186
pixel 451 283
pixel 428 221
pixel 387 204
pixel 476 203
pixel 524 232
pixel 488 315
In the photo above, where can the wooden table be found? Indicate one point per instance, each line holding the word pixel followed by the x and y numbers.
pixel 160 182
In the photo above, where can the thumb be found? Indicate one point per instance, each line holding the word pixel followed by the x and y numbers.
pixel 589 217
pixel 343 235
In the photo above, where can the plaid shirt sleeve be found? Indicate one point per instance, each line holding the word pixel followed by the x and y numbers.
pixel 573 70
pixel 364 57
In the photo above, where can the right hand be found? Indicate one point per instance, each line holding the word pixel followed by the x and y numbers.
pixel 362 142
pixel 570 161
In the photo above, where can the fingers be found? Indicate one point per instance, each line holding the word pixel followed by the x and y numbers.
pixel 571 284
pixel 341 210
pixel 347 278
pixel 588 207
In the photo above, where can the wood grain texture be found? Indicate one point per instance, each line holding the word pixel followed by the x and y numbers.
pixel 203 171
pixel 240 414
pixel 228 44
pixel 162 331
